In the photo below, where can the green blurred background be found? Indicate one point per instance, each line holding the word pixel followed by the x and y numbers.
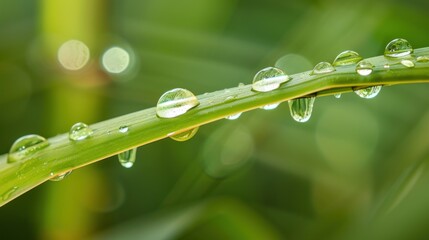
pixel 358 169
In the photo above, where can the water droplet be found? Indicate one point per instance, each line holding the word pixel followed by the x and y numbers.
pixel 337 95
pixel 398 48
pixel 386 66
pixel 127 158
pixel 9 193
pixel 25 146
pixel 230 99
pixel 115 60
pixel 79 131
pixel 407 63
pixel 123 129
pixel 301 108
pixel 184 136
pixel 422 59
pixel 269 79
pixel 241 85
pixel 369 92
pixel 270 106
pixel 346 58
pixel 364 68
pixel 233 117
pixel 60 177
pixel 73 55
pixel 175 102
pixel 322 68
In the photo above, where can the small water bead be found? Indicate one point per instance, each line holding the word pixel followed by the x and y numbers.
pixel 233 117
pixel 322 68
pixel 60 177
pixel 241 85
pixel 369 92
pixel 407 63
pixel 184 136
pixel 270 106
pixel 123 129
pixel 127 158
pixel 230 99
pixel 301 108
pixel 269 79
pixel 422 59
pixel 398 48
pixel 25 146
pixel 386 66
pixel 176 102
pixel 9 193
pixel 337 95
pixel 347 57
pixel 80 131
pixel 364 68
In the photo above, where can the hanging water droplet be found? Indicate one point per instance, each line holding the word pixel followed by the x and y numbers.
pixel 184 136
pixel 233 117
pixel 369 92
pixel 398 48
pixel 337 95
pixel 364 68
pixel 422 59
pixel 269 79
pixel 301 108
pixel 25 146
pixel 175 102
pixel 123 129
pixel 346 58
pixel 79 131
pixel 322 68
pixel 407 63
pixel 127 158
pixel 270 106
pixel 60 177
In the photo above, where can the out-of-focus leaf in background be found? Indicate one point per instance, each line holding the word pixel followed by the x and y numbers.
pixel 356 170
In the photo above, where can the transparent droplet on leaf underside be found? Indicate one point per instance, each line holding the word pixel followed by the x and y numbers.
pixel 407 63
pixel 322 68
pixel 270 106
pixel 184 136
pixel 176 102
pixel 269 79
pixel 369 92
pixel 26 146
pixel 398 48
pixel 60 177
pixel 301 108
pixel 127 158
pixel 80 131
pixel 233 117
pixel 364 68
pixel 347 57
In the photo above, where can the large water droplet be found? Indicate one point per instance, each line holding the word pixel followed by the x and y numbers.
pixel 301 108
pixel 270 106
pixel 346 58
pixel 175 102
pixel 25 146
pixel 407 63
pixel 127 158
pixel 79 131
pixel 60 177
pixel 233 117
pixel 369 92
pixel 398 48
pixel 364 68
pixel 269 79
pixel 322 68
pixel 422 59
pixel 184 136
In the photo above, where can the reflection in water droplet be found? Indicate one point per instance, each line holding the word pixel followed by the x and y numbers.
pixel 337 95
pixel 79 131
pixel 369 92
pixel 422 59
pixel 407 63
pixel 73 55
pixel 346 58
pixel 25 146
pixel 270 106
pixel 175 102
pixel 184 136
pixel 322 68
pixel 233 117
pixel 60 177
pixel 269 79
pixel 127 158
pixel 123 129
pixel 398 48
pixel 301 108
pixel 364 68
pixel 115 60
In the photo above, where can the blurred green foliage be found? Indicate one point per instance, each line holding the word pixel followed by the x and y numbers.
pixel 357 170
